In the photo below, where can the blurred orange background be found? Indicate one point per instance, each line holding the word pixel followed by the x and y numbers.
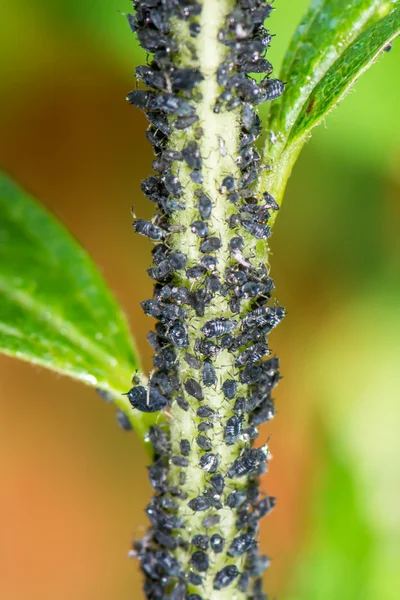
pixel 73 485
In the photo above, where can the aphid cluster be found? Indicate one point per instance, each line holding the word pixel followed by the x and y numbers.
pixel 193 336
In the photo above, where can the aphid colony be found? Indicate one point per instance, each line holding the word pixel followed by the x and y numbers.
pixel 191 337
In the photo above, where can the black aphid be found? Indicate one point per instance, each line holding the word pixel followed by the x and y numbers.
pixel 218 483
pixel 211 521
pixel 248 463
pixel 211 244
pixel 232 429
pixel 203 442
pixel 205 426
pixel 199 504
pixel 194 579
pixel 218 327
pixel 241 544
pixel 199 228
pixel 185 122
pixel 260 231
pixel 205 412
pixel 225 577
pixel 199 560
pixel 177 335
pixel 123 420
pixel 204 205
pixel 201 541
pixel 193 388
pixel 236 498
pixel 191 155
pixel 229 388
pixel 192 361
pixel 209 462
pixel 148 229
pixel 229 183
pixel 179 461
pixel 146 400
pixel 208 374
pixel 252 354
pixel 182 403
pixel 217 543
pixel 184 446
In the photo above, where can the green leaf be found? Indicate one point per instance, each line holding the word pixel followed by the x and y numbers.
pixel 333 45
pixel 55 308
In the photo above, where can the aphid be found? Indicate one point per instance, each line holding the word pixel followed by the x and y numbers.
pixel 193 388
pixel 179 591
pixel 249 462
pixel 211 244
pixel 146 399
pixel 209 262
pixel 199 504
pixel 229 183
pixel 227 341
pixel 165 540
pixel 270 202
pixel 251 433
pixel 208 374
pixel 182 403
pixel 149 230
pixel 225 577
pixel 199 560
pixel 218 483
pixel 250 374
pixel 234 221
pixel 179 461
pixel 166 359
pixel 241 544
pixel 142 99
pixel 204 412
pixel 192 597
pixel 194 29
pixel 217 543
pixel 201 541
pixel 207 348
pixel 223 73
pixel 106 396
pixel 192 361
pixel 252 354
pixel 213 283
pixel 191 155
pixel 209 462
pixel 229 388
pixel 211 521
pixel 123 420
pixel 264 507
pixel 157 475
pixel 177 335
pixel 184 446
pixel 236 243
pixel 232 429
pixel 174 105
pixel 162 271
pixel 185 79
pixel 196 177
pixel 177 260
pixel 273 88
pixel 168 504
pixel 151 78
pixel 159 122
pixel 199 228
pixel 199 299
pixel 196 272
pixel 159 439
pixel 240 406
pixel 185 122
pixel 172 184
pixel 236 498
pixel 258 564
pixel 257 65
pixel 244 581
pixel 194 579
pixel 205 426
pixel 162 519
pixel 203 442
pixel 218 327
pixel 204 206
pixel 260 231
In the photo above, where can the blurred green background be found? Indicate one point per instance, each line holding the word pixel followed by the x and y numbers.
pixel 73 485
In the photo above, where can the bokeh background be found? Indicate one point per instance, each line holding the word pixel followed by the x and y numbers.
pixel 73 485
